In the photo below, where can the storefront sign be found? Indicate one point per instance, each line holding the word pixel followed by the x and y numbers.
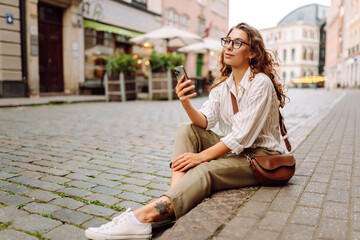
pixel 117 14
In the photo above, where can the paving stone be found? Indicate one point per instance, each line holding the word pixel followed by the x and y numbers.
pixel 134 197
pixel 316 187
pixel 141 176
pixel 15 200
pixel 10 169
pixel 42 195
pixel 36 183
pixel 291 190
pixel 232 230
pixel 253 209
pixel 41 208
pixel 356 204
pixel 15 188
pixel 117 171
pixel 355 222
pixel 10 234
pixel 298 232
pixel 68 202
pixel 336 210
pixel 306 215
pixel 80 184
pixel 333 228
pixel 129 204
pixel 55 179
pixel 312 199
pixel 336 195
pixel 77 176
pixel 97 210
pixel 76 192
pixel 112 177
pixel 154 193
pixel 67 232
pixel 104 182
pixel 135 181
pixel 108 200
pixel 163 187
pixel 265 194
pixel 71 216
pixel 274 221
pixel 132 188
pixel 95 222
pixel 10 213
pixel 262 234
pixel 283 204
pixel 6 175
pixel 320 177
pixel 106 190
pixel 34 223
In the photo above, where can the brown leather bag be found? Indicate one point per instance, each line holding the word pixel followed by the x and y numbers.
pixel 272 169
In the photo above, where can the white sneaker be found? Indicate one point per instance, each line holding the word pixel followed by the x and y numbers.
pixel 121 227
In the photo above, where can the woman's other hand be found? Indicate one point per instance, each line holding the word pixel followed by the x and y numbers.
pixel 183 87
pixel 186 161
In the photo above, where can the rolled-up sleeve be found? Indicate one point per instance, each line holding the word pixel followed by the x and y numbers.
pixel 249 121
pixel 210 109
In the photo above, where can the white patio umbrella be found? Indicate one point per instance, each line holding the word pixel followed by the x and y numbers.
pixel 208 44
pixel 167 36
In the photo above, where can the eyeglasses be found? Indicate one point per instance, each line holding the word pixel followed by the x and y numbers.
pixel 236 44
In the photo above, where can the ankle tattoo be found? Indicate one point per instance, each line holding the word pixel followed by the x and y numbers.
pixel 162 207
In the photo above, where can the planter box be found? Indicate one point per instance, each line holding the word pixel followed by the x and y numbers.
pixel 162 86
pixel 122 88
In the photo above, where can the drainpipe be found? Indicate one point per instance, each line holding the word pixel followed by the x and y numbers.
pixel 23 46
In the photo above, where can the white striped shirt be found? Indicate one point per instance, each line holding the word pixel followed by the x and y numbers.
pixel 257 122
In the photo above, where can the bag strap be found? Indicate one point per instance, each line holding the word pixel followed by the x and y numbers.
pixel 281 122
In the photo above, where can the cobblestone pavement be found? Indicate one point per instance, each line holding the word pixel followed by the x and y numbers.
pixel 66 167
pixel 322 201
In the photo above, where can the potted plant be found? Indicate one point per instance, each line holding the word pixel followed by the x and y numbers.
pixel 121 71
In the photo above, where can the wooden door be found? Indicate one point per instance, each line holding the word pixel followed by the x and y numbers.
pixel 50 49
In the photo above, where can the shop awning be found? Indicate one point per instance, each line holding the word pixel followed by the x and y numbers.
pixel 109 28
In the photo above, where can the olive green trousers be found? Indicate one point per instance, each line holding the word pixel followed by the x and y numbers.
pixel 226 172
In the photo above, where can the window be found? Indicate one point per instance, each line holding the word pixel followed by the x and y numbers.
pixel 292 74
pixel 285 36
pixel 171 17
pixel 276 36
pixel 293 54
pixel 184 22
pixel 293 34
pixel 284 54
pixel 305 52
pixel 201 26
pixel 312 54
pixel 214 5
pixel 305 33
pixel 284 76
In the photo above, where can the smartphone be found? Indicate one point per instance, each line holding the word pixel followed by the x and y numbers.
pixel 179 71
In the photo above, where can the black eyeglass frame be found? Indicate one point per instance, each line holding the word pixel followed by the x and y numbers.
pixel 223 39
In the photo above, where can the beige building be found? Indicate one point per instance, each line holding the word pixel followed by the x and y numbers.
pixel 40 49
pixel 343 51
pixel 296 41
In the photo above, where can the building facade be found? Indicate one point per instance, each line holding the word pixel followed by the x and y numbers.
pixel 298 43
pixel 55 47
pixel 343 63
pixel 206 18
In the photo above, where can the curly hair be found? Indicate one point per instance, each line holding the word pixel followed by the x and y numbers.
pixel 264 62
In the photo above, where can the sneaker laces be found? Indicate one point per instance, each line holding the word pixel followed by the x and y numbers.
pixel 116 220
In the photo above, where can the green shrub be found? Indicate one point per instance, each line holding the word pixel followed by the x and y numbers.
pixel 121 63
pixel 161 62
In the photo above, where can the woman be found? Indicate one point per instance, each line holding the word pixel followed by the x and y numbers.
pixel 204 162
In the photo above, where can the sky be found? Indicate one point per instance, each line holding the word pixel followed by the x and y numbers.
pixel 265 13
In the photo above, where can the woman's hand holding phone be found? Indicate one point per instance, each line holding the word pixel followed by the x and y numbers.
pixel 184 88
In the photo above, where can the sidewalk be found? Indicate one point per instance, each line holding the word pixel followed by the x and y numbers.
pixel 16 102
pixel 321 201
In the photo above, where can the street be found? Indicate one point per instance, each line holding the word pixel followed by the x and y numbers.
pixel 80 164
